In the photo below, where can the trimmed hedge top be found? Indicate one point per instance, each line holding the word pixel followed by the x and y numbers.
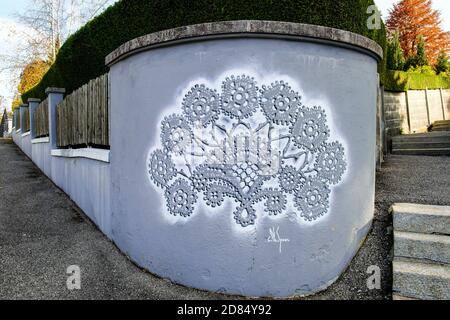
pixel 82 56
pixel 404 81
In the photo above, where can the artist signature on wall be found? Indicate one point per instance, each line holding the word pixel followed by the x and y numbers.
pixel 274 237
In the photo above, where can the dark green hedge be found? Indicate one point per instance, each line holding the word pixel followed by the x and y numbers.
pixel 81 58
pixel 404 81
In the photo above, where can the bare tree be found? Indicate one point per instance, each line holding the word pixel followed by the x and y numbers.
pixel 52 21
pixel 45 25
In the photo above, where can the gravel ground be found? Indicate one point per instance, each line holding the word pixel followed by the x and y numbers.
pixel 42 232
pixel 413 179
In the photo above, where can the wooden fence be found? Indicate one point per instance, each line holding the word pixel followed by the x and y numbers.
pixel 26 116
pixel 41 125
pixel 82 117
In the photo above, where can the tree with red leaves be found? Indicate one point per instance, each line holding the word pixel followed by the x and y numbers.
pixel 416 18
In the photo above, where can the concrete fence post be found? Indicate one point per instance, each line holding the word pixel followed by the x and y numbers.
pixel 442 104
pixel 380 126
pixel 383 123
pixel 428 106
pixel 9 125
pixel 408 113
pixel 22 117
pixel 55 96
pixel 33 104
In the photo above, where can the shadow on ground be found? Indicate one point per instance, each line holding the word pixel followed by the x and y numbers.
pixel 42 232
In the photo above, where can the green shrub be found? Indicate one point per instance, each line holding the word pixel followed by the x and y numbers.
pixel 428 70
pixel 403 81
pixel 81 58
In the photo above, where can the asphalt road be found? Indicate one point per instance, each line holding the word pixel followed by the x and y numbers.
pixel 42 233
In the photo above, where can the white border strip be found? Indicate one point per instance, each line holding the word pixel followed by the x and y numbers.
pixel 40 140
pixel 88 153
pixel 26 134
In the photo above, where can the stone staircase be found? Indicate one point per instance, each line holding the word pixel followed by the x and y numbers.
pixel 421 265
pixel 441 125
pixel 436 143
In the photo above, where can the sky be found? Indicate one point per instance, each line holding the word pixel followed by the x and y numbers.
pixel 7 21
pixel 8 7
pixel 8 42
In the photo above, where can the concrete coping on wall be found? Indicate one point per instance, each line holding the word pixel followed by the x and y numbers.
pixel 26 134
pixel 40 140
pixel 34 100
pixel 249 29
pixel 55 90
pixel 88 153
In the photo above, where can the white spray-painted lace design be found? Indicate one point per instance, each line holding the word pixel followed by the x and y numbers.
pixel 254 145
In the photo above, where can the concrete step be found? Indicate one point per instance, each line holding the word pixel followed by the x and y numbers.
pixel 430 247
pixel 399 297
pixel 441 128
pixel 420 218
pixel 422 134
pixel 442 122
pixel 423 137
pixel 441 125
pixel 442 136
pixel 416 279
pixel 424 152
pixel 421 145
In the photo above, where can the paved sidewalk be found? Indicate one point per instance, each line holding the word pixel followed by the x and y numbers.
pixel 42 232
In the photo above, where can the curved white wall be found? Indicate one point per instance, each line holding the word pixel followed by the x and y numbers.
pixel 209 250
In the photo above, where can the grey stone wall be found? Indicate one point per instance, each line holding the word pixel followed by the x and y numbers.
pixel 415 110
pixel 395 113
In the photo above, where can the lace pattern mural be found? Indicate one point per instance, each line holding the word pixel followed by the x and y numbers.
pixel 256 146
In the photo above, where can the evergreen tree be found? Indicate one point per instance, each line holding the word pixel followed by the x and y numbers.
pixel 419 59
pixel 421 55
pixel 395 59
pixel 442 64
